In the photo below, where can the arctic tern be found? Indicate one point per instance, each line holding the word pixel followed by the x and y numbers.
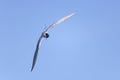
pixel 46 35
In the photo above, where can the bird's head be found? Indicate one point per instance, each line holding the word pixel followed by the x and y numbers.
pixel 45 35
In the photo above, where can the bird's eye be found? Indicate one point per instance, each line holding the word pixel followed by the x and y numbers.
pixel 46 35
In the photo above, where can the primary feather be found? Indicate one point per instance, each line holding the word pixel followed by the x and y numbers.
pixel 60 21
pixel 36 52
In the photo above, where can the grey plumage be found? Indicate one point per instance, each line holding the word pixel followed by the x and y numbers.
pixel 36 52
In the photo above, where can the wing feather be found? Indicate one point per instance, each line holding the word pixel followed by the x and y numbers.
pixel 60 21
pixel 36 52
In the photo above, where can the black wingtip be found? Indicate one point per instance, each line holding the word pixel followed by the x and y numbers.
pixel 32 68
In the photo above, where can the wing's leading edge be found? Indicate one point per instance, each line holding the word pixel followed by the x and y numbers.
pixel 36 52
pixel 60 21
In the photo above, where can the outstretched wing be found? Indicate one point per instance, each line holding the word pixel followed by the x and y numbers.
pixel 60 21
pixel 36 52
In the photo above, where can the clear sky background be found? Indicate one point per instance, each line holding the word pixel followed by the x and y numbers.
pixel 85 47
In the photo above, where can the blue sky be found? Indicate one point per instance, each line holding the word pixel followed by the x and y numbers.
pixel 85 47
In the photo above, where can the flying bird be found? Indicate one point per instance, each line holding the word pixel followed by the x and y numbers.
pixel 46 35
